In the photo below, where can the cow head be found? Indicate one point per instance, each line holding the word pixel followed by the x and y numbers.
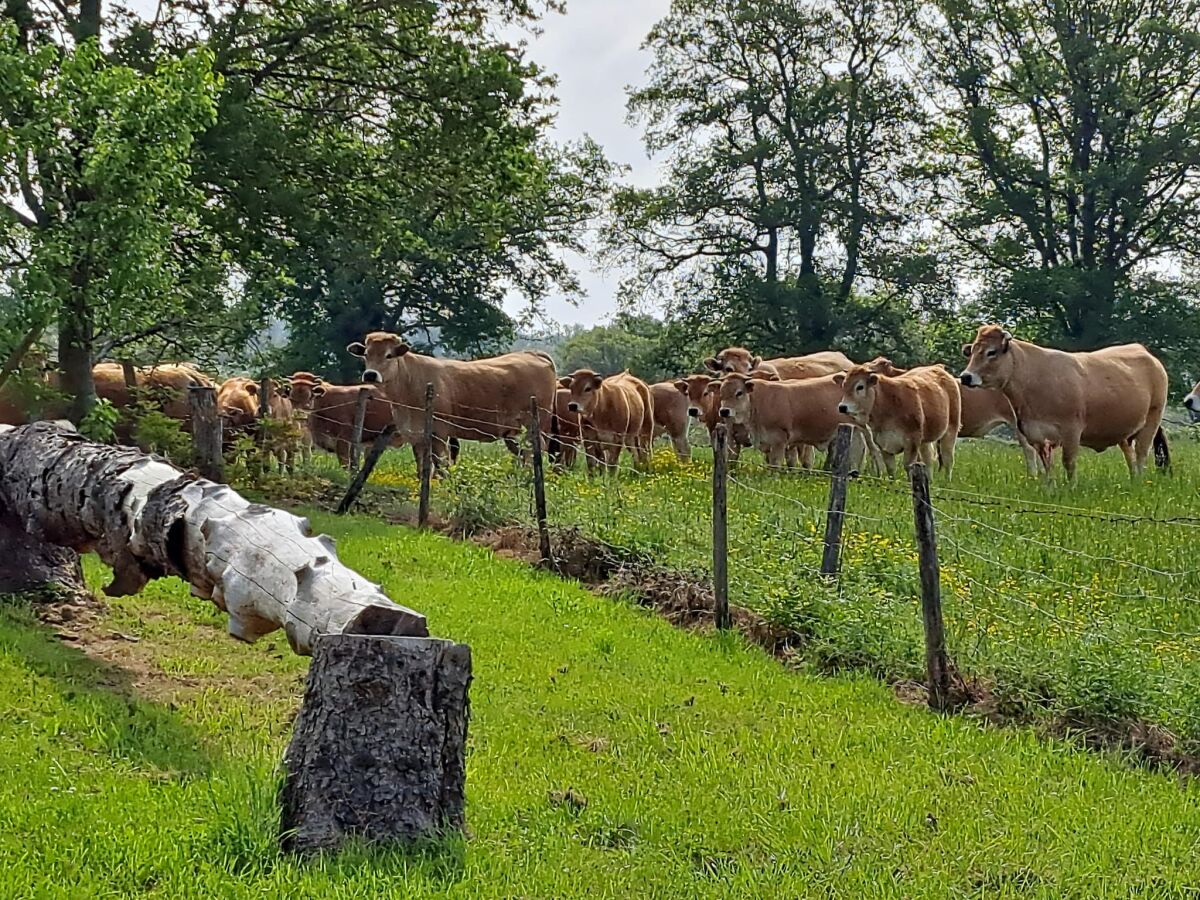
pixel 237 399
pixel 881 365
pixel 733 397
pixel 1192 403
pixel 381 355
pixel 989 360
pixel 583 386
pixel 305 389
pixel 735 360
pixel 858 392
pixel 693 387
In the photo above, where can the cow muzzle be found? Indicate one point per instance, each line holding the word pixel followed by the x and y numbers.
pixel 573 407
pixel 970 379
pixel 844 409
pixel 693 412
pixel 1192 405
pixel 726 412
pixel 372 376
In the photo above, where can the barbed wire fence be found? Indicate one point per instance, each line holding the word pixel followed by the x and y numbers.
pixel 979 595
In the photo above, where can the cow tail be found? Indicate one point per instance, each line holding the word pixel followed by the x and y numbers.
pixel 1162 450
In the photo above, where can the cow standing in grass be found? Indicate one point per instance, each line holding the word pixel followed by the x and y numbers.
pixel 474 400
pixel 1104 398
pixel 906 414
pixel 740 361
pixel 617 413
pixel 671 416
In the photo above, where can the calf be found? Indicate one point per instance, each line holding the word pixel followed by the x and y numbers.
pixel 617 413
pixel 906 413
pixel 782 418
pixel 671 416
pixel 983 410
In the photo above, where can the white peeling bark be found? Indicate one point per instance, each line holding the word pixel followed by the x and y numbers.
pixel 147 519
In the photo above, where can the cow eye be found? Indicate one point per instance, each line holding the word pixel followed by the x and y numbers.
pixel 990 354
pixel 739 393
pixel 587 390
pixel 859 387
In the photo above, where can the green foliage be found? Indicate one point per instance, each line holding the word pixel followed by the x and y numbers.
pixel 100 423
pixel 631 342
pixel 606 747
pixel 158 433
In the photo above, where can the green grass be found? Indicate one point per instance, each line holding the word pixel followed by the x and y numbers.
pixel 706 768
pixel 1086 618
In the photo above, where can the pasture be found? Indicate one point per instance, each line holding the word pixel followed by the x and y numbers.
pixel 1082 603
pixel 611 755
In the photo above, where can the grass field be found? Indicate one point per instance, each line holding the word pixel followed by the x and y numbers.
pixel 610 756
pixel 1058 605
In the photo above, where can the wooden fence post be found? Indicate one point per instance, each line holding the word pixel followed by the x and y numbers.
pixel 539 480
pixel 719 525
pixel 264 397
pixel 840 465
pixel 356 436
pixel 936 664
pixel 426 460
pixel 382 440
pixel 130 373
pixel 206 432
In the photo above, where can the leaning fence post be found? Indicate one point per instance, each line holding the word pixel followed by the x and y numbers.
pixel 426 460
pixel 360 418
pixel 206 432
pixel 539 480
pixel 936 665
pixel 720 533
pixel 382 440
pixel 840 464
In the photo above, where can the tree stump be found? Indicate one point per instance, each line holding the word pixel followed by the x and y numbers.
pixel 379 747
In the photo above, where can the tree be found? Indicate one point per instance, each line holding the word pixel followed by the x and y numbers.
pixel 98 154
pixel 629 342
pixel 1070 154
pixel 788 127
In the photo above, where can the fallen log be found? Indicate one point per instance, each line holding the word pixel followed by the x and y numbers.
pixel 147 519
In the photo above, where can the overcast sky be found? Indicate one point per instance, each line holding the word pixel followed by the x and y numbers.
pixel 594 49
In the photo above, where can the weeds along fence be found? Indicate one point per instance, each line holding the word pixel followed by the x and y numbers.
pixel 1080 604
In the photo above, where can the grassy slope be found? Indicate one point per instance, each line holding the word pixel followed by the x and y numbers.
pixel 706 768
pixel 1094 619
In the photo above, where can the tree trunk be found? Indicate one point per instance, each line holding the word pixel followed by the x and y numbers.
pixel 29 565
pixel 378 751
pixel 75 349
pixel 147 520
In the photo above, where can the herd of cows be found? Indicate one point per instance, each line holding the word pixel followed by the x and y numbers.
pixel 787 407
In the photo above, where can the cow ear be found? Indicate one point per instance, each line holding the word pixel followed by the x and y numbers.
pixel 714 386
pixel 750 385
pixel 872 379
pixel 839 379
pixel 399 350
pixel 318 391
pixel 681 386
pixel 599 379
pixel 565 381
pixel 358 348
pixel 967 348
pixel 756 362
pixel 251 388
pixel 712 364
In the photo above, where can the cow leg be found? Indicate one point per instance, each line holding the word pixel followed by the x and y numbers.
pixel 889 463
pixel 1143 442
pixel 808 455
pixel 1131 457
pixel 682 448
pixel 791 455
pixel 1070 452
pixel 946 449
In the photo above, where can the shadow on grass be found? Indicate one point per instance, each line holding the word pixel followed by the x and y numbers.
pixel 98 700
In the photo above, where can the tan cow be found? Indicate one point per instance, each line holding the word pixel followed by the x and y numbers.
pixel 701 393
pixel 617 412
pixel 905 414
pixel 567 432
pixel 328 412
pixel 1109 397
pixel 671 416
pixel 165 385
pixel 239 401
pixel 476 400
pixel 741 361
pixel 983 411
pixel 782 418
